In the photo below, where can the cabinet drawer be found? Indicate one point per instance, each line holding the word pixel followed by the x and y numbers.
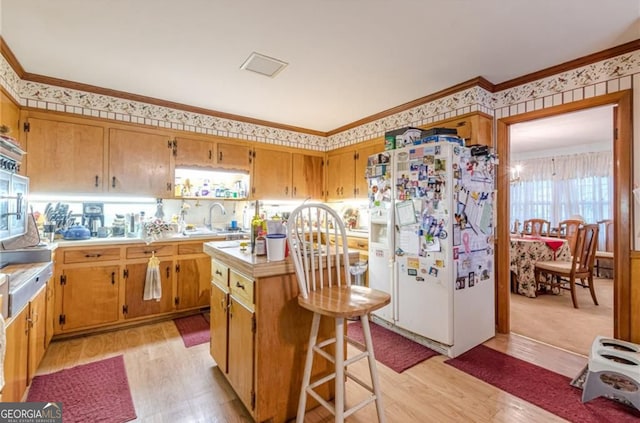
pixel 144 251
pixel 241 288
pixel 353 242
pixel 90 255
pixel 220 273
pixel 194 248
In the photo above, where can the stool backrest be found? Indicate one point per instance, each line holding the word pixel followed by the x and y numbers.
pixel 311 228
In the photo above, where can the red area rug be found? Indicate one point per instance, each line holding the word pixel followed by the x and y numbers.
pixel 94 392
pixel 541 387
pixel 392 350
pixel 193 329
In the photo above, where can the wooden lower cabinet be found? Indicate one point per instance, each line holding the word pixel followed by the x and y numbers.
pixel 219 323
pixel 89 297
pixel 134 281
pixel 103 286
pixel 26 345
pixel 193 278
pixel 241 351
pixel 16 357
pixel 259 330
pixel 37 328
pixel 50 313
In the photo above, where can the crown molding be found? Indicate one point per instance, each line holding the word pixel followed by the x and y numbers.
pixel 162 103
pixel 572 64
pixel 475 82
pixel 11 58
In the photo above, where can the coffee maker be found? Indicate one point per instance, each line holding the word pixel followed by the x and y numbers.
pixel 93 216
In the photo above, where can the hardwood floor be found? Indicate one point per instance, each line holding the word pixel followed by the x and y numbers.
pixel 171 383
pixel 552 319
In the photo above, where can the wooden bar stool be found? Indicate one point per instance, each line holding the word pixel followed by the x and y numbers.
pixel 318 244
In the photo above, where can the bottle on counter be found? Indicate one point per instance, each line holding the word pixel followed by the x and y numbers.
pixel 256 227
pixel 261 245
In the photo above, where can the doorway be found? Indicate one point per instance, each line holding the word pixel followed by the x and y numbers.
pixel 565 168
pixel 622 156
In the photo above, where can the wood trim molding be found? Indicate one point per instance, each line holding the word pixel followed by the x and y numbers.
pixel 475 82
pixel 11 58
pixel 622 151
pixel 478 81
pixel 572 64
pixel 162 103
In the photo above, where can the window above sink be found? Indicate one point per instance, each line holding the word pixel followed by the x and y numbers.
pixel 220 184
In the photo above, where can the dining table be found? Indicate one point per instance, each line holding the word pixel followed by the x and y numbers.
pixel 525 251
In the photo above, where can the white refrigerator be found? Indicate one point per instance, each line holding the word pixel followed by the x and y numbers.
pixel 439 240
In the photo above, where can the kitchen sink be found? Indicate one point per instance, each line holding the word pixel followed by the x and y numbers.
pixel 206 232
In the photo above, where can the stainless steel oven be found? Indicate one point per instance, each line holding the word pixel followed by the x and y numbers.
pixel 14 190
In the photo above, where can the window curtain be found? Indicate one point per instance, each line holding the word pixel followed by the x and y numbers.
pixel 556 188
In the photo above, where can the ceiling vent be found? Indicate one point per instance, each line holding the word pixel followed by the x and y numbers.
pixel 264 65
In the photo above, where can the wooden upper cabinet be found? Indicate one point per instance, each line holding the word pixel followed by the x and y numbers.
pixel 307 176
pixel 362 155
pixel 271 177
pixel 233 156
pixel 140 163
pixel 194 153
pixel 475 128
pixel 10 115
pixel 65 157
pixel 346 170
pixel 340 171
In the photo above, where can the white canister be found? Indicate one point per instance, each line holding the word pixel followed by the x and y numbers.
pixel 276 245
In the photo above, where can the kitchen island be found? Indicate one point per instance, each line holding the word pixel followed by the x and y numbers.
pixel 259 334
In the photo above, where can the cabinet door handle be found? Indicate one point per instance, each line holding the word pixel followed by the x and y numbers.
pixel 113 182
pixel 294 191
pixel 113 278
pixel 168 274
pixel 286 190
pixel 219 156
pixel 239 285
pixel 217 272
pixel 96 181
pixel 210 154
pixel 93 255
pixel 222 306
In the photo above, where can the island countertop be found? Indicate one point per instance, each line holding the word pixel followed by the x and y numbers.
pixel 252 265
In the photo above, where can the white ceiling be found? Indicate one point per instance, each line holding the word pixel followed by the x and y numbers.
pixel 348 59
pixel 577 132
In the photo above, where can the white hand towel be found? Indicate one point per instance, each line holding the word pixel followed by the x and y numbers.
pixel 153 280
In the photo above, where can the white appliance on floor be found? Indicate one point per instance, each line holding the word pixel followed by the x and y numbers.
pixel 431 243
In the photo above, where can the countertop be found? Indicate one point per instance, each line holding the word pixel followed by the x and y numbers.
pixel 130 240
pixel 251 265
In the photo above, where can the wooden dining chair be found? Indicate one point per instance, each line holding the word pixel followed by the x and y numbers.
pixel 537 227
pixel 605 252
pixel 568 229
pixel 324 280
pixel 558 274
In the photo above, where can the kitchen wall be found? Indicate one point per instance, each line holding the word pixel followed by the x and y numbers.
pixel 606 76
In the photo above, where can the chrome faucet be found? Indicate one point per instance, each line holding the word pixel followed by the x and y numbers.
pixel 222 210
